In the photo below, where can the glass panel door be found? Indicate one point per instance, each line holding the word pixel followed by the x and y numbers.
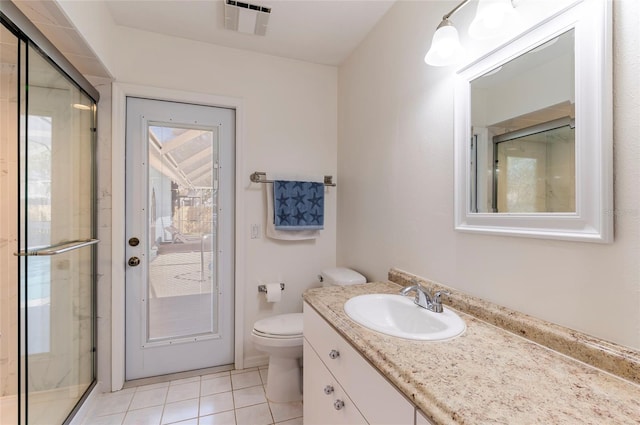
pixel 179 212
pixel 57 227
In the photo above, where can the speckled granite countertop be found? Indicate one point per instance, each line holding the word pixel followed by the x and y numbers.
pixel 488 375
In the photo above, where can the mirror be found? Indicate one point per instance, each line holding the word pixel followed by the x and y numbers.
pixel 522 135
pixel 534 133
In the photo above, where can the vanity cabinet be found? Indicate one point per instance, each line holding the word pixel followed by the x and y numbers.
pixel 330 361
pixel 325 401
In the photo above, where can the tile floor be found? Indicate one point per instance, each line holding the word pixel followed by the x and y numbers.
pixel 235 398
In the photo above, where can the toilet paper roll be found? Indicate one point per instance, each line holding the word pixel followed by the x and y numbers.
pixel 274 293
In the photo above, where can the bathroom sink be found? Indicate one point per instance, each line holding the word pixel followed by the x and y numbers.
pixel 397 315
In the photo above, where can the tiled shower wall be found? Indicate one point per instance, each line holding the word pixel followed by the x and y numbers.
pixel 8 232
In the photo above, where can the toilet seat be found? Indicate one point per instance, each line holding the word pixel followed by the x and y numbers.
pixel 281 326
pixel 272 336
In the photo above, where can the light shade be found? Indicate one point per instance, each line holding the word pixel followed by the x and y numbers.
pixel 491 18
pixel 445 46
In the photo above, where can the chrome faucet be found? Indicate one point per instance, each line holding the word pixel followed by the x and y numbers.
pixel 423 298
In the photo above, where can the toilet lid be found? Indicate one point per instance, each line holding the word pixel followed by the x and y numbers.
pixel 281 324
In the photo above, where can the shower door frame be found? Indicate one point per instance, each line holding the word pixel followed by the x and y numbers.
pixel 120 92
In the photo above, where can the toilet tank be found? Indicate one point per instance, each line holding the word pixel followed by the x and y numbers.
pixel 340 276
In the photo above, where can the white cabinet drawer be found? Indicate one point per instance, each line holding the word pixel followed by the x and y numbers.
pixel 319 407
pixel 377 399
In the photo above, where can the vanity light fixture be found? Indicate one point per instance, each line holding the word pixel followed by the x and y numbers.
pixel 491 16
pixel 488 22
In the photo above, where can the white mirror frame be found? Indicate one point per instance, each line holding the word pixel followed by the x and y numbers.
pixel 593 219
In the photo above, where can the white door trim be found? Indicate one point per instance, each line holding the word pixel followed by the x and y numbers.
pixel 120 91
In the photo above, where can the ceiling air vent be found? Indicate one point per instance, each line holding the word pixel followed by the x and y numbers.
pixel 246 17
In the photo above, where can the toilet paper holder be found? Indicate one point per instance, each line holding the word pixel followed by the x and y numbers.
pixel 263 288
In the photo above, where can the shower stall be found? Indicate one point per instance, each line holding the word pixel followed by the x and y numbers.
pixel 47 228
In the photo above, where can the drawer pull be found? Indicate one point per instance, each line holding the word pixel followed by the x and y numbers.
pixel 338 404
pixel 334 354
pixel 328 389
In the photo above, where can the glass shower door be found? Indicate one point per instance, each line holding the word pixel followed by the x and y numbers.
pixel 57 243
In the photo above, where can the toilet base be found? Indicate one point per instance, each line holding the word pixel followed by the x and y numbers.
pixel 284 380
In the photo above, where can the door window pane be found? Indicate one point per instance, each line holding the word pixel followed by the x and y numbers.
pixel 183 195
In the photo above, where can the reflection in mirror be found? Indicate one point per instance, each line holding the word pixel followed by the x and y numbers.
pixel 534 169
pixel 523 143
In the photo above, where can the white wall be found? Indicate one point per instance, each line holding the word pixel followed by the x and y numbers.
pixel 395 160
pixel 290 127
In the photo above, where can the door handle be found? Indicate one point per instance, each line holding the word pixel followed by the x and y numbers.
pixel 57 249
pixel 134 261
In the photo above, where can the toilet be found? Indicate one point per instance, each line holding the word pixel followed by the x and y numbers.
pixel 280 336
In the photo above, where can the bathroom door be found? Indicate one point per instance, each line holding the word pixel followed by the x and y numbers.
pixel 179 236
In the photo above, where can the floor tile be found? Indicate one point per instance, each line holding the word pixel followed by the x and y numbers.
pixel 216 403
pixel 185 381
pixel 180 411
pixel 184 391
pixel 149 398
pixel 115 419
pixel 224 418
pixel 110 403
pixel 204 400
pixel 263 375
pixel 193 421
pixel 249 396
pixel 152 386
pixel 215 375
pixel 254 415
pixel 148 416
pixel 296 421
pixel 215 385
pixel 285 411
pixel 245 380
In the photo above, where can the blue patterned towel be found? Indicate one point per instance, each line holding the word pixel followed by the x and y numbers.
pixel 298 205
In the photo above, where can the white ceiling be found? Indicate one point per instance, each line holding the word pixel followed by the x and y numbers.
pixel 319 31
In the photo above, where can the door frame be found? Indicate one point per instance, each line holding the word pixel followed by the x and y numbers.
pixel 120 92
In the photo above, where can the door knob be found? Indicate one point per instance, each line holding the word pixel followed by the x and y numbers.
pixel 134 261
pixel 134 241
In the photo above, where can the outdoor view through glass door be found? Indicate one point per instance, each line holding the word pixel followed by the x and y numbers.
pixel 179 236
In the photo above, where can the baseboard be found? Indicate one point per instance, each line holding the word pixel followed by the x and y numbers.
pixel 256 361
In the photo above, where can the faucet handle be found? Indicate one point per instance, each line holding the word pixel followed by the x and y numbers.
pixel 436 296
pixel 437 302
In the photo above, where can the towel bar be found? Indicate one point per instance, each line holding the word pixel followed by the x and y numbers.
pixel 261 177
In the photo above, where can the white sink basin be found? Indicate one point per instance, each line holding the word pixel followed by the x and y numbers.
pixel 397 315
